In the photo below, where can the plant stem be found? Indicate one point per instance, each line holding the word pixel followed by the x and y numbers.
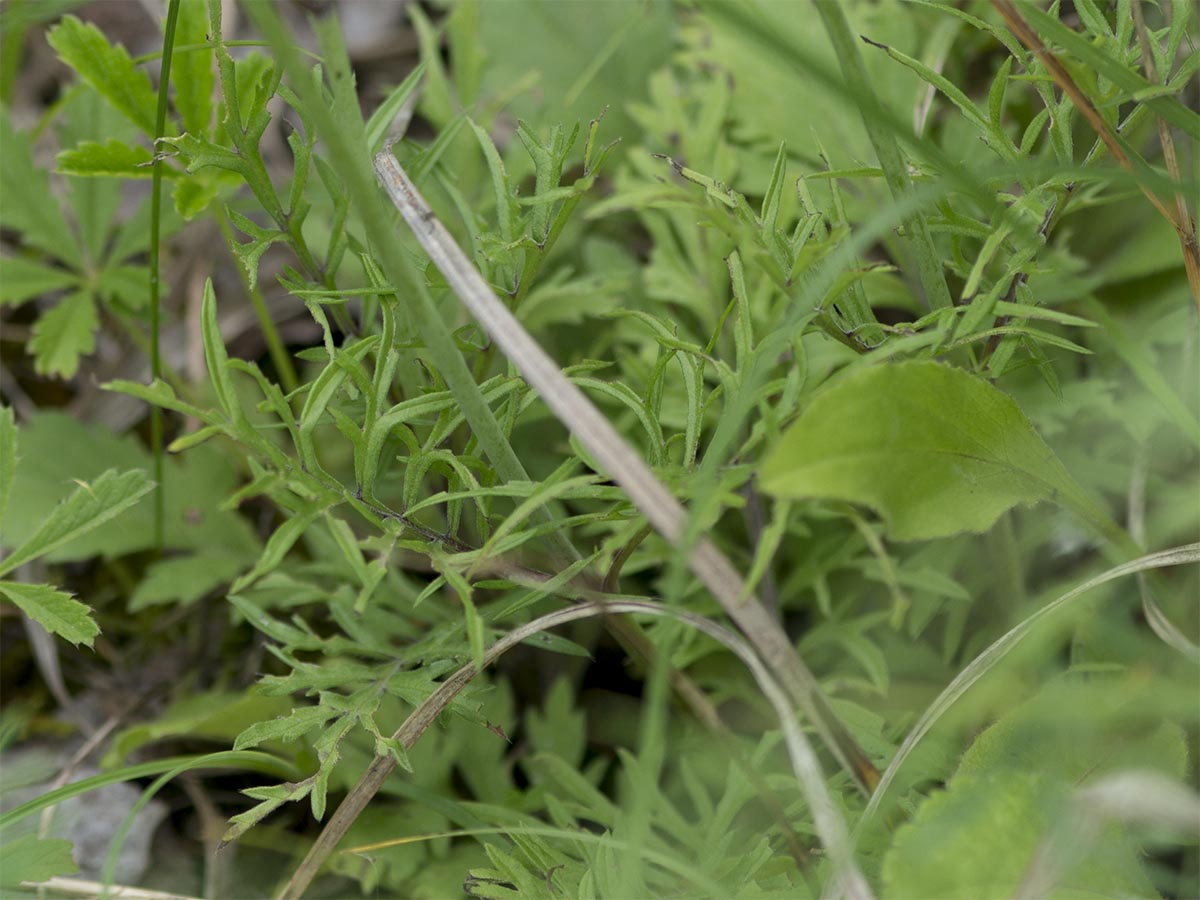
pixel 160 123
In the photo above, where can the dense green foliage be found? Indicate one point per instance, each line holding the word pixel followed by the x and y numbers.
pixel 912 342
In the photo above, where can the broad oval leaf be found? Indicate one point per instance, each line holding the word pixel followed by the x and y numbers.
pixel 935 450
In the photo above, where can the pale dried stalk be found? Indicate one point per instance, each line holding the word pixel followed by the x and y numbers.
pixel 623 464
pixel 78 887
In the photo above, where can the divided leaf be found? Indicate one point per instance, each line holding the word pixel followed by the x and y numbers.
pixel 64 334
pixel 935 450
pixel 88 507
pixel 106 67
pixel 54 610
pixel 30 858
pixel 112 158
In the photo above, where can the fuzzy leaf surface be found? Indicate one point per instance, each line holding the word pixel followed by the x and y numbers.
pixel 978 838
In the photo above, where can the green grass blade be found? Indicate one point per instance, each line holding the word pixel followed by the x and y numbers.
pixel 246 760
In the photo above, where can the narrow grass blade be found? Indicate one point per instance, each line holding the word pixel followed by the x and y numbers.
pixel 246 760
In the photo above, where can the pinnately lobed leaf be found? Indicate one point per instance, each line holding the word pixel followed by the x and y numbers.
pixel 934 450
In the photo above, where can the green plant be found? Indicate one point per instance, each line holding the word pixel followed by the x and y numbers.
pixel 909 425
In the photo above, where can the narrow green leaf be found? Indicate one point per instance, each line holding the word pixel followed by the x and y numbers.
pixel 87 507
pixel 216 356
pixel 322 391
pixel 107 68
pixel 935 450
pixel 285 728
pixel 272 798
pixel 381 120
pixel 192 75
pixel 54 610
pixel 936 80
pixel 162 394
pixel 474 624
pixel 505 208
pixel 280 542
pixel 996 95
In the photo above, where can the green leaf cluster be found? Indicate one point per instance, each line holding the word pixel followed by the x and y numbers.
pixel 916 376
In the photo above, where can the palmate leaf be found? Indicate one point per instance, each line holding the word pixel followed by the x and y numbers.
pixel 88 507
pixel 935 450
pixel 54 610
